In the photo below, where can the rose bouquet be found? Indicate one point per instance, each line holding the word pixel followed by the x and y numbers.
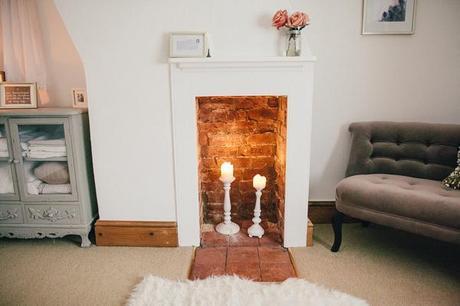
pixel 294 23
pixel 297 20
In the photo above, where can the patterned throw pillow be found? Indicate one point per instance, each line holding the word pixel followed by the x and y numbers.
pixel 453 180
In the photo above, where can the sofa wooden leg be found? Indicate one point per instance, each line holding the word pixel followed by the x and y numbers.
pixel 337 221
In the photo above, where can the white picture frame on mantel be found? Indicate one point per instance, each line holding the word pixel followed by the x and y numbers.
pixel 388 17
pixel 188 44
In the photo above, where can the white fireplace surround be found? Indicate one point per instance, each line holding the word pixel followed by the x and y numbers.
pixel 277 76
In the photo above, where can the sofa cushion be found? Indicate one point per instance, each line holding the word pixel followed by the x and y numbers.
pixel 404 196
pixel 423 150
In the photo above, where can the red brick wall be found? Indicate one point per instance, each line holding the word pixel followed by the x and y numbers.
pixel 280 161
pixel 250 133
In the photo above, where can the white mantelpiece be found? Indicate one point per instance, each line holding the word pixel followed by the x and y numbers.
pixel 279 76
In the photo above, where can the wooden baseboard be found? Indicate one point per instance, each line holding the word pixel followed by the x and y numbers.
pixel 136 233
pixel 321 212
pixel 310 228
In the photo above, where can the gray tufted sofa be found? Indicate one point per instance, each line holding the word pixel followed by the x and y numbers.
pixel 393 179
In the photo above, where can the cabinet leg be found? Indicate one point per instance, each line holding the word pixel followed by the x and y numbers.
pixel 85 242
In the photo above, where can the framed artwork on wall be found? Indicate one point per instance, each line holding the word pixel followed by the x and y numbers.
pixel 18 95
pixel 79 98
pixel 188 44
pixel 388 17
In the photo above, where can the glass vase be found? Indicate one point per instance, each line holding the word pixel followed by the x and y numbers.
pixel 294 43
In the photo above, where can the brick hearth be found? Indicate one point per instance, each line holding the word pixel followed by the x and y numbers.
pixel 250 132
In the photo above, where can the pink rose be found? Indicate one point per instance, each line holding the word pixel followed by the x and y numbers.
pixel 279 19
pixel 298 20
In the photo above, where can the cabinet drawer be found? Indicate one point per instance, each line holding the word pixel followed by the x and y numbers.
pixel 52 214
pixel 11 214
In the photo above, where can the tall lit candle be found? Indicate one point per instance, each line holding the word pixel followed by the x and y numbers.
pixel 226 171
pixel 259 182
pixel 226 177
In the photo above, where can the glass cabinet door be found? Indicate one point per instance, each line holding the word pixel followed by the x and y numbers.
pixel 45 167
pixel 8 186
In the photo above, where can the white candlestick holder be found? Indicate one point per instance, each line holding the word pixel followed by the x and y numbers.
pixel 256 230
pixel 227 227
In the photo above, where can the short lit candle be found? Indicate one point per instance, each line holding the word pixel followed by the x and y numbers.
pixel 226 171
pixel 259 182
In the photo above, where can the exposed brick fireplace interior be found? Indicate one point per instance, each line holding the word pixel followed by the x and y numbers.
pixel 250 132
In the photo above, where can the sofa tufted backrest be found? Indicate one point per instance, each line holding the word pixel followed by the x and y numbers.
pixel 422 150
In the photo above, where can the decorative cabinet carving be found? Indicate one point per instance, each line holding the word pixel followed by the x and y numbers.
pixel 10 214
pixel 53 214
pixel 35 202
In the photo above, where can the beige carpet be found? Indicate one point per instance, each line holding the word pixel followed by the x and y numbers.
pixel 380 265
pixel 59 272
pixel 384 266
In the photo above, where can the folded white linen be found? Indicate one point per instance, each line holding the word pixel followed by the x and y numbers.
pixel 29 172
pixel 33 183
pixel 33 187
pixel 45 154
pixel 47 149
pixel 6 180
pixel 55 188
pixel 24 146
pixel 47 142
pixel 3 144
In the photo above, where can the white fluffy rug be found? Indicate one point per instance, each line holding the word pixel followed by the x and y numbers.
pixel 231 290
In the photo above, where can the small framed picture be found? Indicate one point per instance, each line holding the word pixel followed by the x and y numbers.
pixel 188 44
pixel 79 98
pixel 18 95
pixel 388 17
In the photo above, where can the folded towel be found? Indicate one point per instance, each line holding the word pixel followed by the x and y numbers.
pixel 47 149
pixel 45 154
pixel 3 144
pixel 29 172
pixel 55 188
pixel 6 180
pixel 47 142
pixel 24 146
pixel 33 187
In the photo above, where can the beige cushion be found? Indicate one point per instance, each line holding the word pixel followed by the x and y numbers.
pixel 409 197
pixel 53 172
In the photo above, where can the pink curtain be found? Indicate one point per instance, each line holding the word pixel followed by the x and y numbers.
pixel 23 59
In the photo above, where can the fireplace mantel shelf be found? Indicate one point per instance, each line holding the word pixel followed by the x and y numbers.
pixel 240 62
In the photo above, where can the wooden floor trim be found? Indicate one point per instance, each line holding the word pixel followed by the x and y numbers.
pixel 310 228
pixel 192 262
pixel 293 263
pixel 136 233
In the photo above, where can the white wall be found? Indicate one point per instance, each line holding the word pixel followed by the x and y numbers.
pixel 124 46
pixel 64 66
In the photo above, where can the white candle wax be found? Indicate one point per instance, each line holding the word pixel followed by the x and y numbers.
pixel 226 171
pixel 259 182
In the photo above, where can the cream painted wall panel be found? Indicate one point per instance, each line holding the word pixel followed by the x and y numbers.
pixel 124 45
